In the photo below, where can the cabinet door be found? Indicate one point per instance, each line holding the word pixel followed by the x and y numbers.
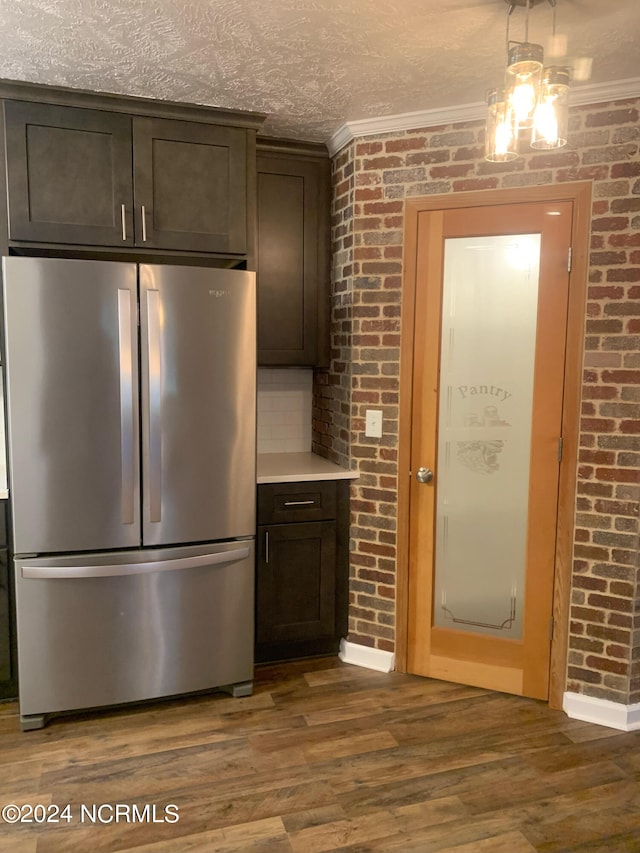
pixel 190 186
pixel 5 622
pixel 68 175
pixel 292 266
pixel 296 582
pixel 8 686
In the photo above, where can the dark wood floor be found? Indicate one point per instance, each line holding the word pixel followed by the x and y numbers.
pixel 326 757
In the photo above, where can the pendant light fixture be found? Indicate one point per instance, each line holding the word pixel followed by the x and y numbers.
pixel 533 102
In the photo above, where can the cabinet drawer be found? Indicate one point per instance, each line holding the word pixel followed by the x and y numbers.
pixel 290 502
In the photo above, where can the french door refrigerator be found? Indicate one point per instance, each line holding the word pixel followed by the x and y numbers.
pixel 131 431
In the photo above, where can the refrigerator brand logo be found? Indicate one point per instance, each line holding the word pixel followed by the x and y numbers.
pixel 218 293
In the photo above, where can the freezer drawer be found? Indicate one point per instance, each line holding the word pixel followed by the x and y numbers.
pixel 96 630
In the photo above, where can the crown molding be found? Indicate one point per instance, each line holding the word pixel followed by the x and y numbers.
pixel 404 121
pixel 589 93
pixel 597 93
pixel 19 90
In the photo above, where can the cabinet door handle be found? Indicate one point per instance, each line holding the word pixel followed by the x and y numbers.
pixel 299 503
pixel 144 224
pixel 123 217
pixel 266 546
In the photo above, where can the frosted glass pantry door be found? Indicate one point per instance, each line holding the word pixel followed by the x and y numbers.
pixel 489 318
pixel 488 368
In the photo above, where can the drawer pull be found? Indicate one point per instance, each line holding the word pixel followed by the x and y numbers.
pixel 299 503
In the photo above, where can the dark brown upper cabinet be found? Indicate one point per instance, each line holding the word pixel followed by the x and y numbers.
pixel 69 175
pixel 92 177
pixel 190 186
pixel 293 254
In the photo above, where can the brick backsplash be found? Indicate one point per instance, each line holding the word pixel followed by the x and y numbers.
pixel 284 410
pixel 372 177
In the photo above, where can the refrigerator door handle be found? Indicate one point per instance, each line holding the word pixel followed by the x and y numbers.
pixel 155 405
pixel 127 427
pixel 41 572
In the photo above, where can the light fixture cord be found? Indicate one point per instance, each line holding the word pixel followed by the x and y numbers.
pixel 512 6
pixel 507 32
pixel 526 22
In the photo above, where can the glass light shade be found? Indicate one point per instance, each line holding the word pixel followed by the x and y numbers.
pixel 500 136
pixel 524 75
pixel 551 117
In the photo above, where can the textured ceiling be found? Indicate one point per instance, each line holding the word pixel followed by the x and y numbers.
pixel 310 65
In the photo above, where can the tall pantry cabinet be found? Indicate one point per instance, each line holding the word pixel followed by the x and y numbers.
pixel 293 192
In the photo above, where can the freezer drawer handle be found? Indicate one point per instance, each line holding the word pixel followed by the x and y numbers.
pixel 55 572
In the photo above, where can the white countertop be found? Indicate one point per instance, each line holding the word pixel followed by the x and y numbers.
pixel 299 467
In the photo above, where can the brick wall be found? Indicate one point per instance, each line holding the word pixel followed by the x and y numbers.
pixel 332 389
pixel 372 177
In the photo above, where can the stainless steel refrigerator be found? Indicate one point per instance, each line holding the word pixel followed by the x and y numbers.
pixel 131 432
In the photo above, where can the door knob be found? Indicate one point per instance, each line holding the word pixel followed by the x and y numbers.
pixel 424 475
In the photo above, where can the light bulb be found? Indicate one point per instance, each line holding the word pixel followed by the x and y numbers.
pixel 523 99
pixel 503 138
pixel 524 69
pixel 545 122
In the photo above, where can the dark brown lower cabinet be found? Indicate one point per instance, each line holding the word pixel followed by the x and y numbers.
pixel 8 663
pixel 5 621
pixel 301 572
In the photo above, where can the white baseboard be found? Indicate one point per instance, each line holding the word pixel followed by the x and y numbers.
pixel 366 656
pixel 602 712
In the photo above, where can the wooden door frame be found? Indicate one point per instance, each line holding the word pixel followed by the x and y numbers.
pixel 579 193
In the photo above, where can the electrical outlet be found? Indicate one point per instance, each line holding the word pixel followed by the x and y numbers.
pixel 373 423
